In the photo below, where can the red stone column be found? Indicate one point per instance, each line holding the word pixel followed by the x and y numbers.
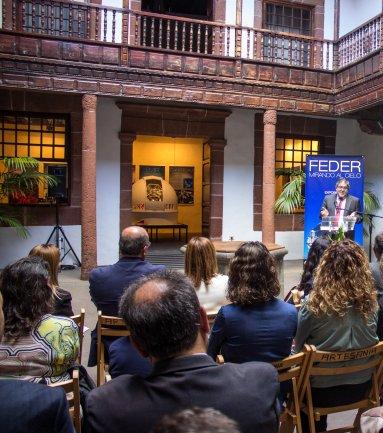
pixel 217 147
pixel 268 185
pixel 126 176
pixel 88 190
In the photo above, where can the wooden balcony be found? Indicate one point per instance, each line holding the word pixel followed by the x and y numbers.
pixel 301 69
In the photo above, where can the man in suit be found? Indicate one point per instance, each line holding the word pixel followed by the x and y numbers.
pixel 30 407
pixel 168 325
pixel 107 283
pixel 340 204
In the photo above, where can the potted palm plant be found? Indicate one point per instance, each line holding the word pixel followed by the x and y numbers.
pixel 19 179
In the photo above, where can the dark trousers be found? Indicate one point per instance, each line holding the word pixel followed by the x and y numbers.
pixel 334 396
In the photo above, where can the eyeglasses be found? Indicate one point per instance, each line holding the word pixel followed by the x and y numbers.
pixel 342 187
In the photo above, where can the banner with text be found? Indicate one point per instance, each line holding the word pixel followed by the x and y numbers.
pixel 322 173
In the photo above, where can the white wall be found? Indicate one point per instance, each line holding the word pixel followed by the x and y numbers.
pixel 238 176
pixel 238 186
pixel 13 247
pixel 328 27
pixel 108 180
pixel 350 140
pixel 353 13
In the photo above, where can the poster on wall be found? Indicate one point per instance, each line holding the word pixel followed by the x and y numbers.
pixel 152 170
pixel 333 197
pixel 182 180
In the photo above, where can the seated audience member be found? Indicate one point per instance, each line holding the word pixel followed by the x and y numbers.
pixel 340 314
pixel 30 407
pixel 197 420
pixel 201 267
pixel 256 326
pixel 377 267
pixel 36 346
pixel 107 283
pixel 315 253
pixel 62 298
pixel 377 275
pixel 168 325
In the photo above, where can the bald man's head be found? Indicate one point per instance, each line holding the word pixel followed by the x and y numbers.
pixel 162 312
pixel 134 241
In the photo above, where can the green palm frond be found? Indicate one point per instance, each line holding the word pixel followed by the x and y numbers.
pixel 21 163
pixel 10 221
pixel 291 197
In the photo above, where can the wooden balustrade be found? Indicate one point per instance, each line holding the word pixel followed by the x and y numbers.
pixel 359 43
pixel 70 19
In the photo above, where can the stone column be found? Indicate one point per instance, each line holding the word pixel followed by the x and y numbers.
pixel 268 185
pixel 88 188
pixel 217 147
pixel 126 176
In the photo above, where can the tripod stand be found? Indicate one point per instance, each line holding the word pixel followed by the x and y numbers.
pixel 57 230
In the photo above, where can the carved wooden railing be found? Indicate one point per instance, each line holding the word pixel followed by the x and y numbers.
pixel 70 19
pixel 359 43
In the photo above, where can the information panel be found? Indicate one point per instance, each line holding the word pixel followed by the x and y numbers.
pixel 322 174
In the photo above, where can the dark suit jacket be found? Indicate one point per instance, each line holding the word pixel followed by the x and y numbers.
pixel 107 284
pixel 33 408
pixel 262 332
pixel 352 205
pixel 124 358
pixel 244 392
pixel 63 303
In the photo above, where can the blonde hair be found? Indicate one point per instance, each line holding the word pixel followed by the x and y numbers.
pixel 342 280
pixel 51 254
pixel 200 261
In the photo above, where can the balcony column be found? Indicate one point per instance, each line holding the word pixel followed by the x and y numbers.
pixel 126 178
pixel 88 186
pixel 217 147
pixel 268 186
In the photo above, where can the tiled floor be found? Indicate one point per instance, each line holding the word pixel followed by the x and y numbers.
pixel 70 280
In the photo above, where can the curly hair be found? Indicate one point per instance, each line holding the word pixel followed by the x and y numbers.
pixel 342 280
pixel 200 261
pixel 316 251
pixel 253 277
pixel 27 295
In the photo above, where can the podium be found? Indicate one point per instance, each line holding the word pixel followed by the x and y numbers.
pixel 330 225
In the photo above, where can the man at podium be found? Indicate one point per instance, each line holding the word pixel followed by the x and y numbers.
pixel 341 204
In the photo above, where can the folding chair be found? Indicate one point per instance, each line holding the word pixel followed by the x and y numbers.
pixel 107 326
pixel 325 364
pixel 294 369
pixel 79 319
pixel 72 390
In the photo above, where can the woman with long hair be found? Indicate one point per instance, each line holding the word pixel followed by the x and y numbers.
pixel 201 267
pixel 256 326
pixel 377 267
pixel 339 314
pixel 315 253
pixel 36 346
pixel 62 298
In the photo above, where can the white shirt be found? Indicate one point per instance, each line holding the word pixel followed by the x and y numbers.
pixel 214 296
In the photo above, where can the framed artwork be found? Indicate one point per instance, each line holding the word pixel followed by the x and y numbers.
pixel 152 170
pixel 182 180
